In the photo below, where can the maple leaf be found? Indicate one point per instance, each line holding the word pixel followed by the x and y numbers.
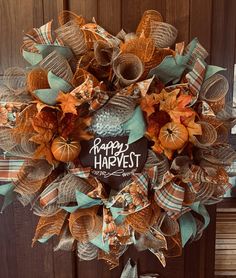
pixel 45 120
pixel 192 127
pixel 42 137
pixel 158 148
pixel 45 126
pixel 175 105
pixel 44 151
pixel 80 131
pixel 149 101
pixel 68 103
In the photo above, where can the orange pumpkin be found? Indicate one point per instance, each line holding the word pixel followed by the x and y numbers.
pixel 173 136
pixel 37 79
pixel 65 150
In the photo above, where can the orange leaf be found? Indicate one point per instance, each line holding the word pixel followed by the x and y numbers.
pixel 68 103
pixel 158 148
pixel 175 105
pixel 192 127
pixel 80 131
pixel 44 151
pixel 148 103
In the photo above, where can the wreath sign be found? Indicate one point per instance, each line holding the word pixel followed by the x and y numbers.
pixel 123 139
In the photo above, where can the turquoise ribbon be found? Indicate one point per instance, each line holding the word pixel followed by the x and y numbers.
pixel 172 67
pixel 83 201
pixel 201 210
pixel 44 50
pixel 211 70
pixel 32 58
pixel 135 126
pixel 98 241
pixel 57 84
pixel 7 190
pixel 188 225
pixel 44 239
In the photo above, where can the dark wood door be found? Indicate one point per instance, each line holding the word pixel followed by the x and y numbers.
pixel 213 22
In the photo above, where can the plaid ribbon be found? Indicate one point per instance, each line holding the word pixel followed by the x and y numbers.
pixel 49 195
pixel 199 52
pixel 196 77
pixel 9 168
pixel 81 172
pixel 41 35
pixel 170 197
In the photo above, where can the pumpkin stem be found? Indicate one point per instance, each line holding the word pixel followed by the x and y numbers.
pixel 68 140
pixel 169 130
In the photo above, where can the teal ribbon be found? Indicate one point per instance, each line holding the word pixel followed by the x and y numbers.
pixel 44 50
pixel 57 84
pixel 188 225
pixel 32 58
pixel 211 70
pixel 83 201
pixel 135 126
pixel 7 190
pixel 98 241
pixel 44 239
pixel 201 210
pixel 172 68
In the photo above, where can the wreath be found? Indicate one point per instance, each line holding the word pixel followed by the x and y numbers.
pixel 123 139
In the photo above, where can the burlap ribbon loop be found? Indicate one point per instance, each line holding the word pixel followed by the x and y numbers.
pixel 128 68
pixel 214 90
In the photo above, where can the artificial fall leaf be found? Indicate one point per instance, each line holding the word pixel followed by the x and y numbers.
pixel 80 131
pixel 192 127
pixel 23 122
pixel 44 151
pixel 68 103
pixel 158 148
pixel 148 103
pixel 42 137
pixel 67 125
pixel 175 105
pixel 45 120
pixel 40 106
pixel 156 121
pixel 45 126
pixel 153 129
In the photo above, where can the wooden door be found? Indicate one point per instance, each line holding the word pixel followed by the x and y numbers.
pixel 213 22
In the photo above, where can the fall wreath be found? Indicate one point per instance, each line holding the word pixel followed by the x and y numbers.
pixel 123 138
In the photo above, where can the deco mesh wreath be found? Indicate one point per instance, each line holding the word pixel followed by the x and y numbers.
pixel 124 139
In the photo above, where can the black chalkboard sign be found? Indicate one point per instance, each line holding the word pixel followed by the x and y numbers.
pixel 112 159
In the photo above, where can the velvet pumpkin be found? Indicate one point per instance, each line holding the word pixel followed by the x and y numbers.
pixel 173 136
pixel 65 150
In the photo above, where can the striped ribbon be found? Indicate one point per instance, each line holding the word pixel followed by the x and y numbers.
pixel 9 168
pixel 196 77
